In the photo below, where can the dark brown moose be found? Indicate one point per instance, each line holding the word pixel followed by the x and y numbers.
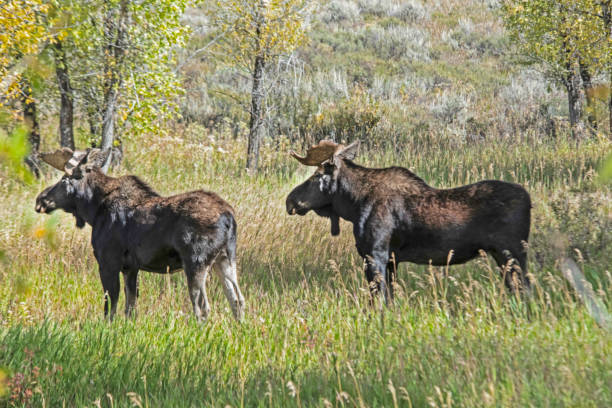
pixel 397 217
pixel 134 228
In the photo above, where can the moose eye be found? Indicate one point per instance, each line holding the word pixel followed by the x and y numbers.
pixel 328 167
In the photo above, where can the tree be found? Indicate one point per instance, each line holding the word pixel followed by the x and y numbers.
pixel 569 38
pixel 594 41
pixel 120 54
pixel 123 52
pixel 255 33
pixel 66 123
pixel 601 37
pixel 22 38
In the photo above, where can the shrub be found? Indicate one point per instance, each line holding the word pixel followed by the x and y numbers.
pixel 339 10
pixel 528 101
pixel 450 108
pixel 397 42
pixel 466 37
pixel 348 119
pixel 409 11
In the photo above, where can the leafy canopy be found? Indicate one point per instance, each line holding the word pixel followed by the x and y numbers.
pixel 264 28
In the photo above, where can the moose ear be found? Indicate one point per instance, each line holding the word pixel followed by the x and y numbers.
pixel 75 161
pixel 349 152
pixel 97 157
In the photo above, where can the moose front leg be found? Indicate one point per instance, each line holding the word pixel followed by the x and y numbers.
pixel 376 274
pixel 110 283
pixel 130 285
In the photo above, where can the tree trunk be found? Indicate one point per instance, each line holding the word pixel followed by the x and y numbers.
pixel 255 126
pixel 610 105
pixel 29 118
pixel 573 99
pixel 93 117
pixel 607 20
pixel 66 98
pixel 587 86
pixel 115 35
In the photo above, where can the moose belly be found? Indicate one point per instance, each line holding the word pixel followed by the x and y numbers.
pixel 162 260
pixel 436 249
pixel 436 256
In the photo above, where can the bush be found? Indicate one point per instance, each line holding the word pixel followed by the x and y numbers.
pixel 339 10
pixel 529 101
pixel 397 42
pixel 465 37
pixel 450 108
pixel 410 12
pixel 349 119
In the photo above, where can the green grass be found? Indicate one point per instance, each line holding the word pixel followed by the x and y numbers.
pixel 310 338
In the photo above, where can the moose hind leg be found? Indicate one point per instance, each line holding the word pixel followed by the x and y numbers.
pixel 226 270
pixel 513 266
pixel 130 286
pixel 196 282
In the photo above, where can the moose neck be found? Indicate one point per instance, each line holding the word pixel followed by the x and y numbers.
pixel 91 197
pixel 352 190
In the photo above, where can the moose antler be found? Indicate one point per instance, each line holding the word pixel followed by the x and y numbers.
pixel 63 159
pixel 318 153
pixel 58 158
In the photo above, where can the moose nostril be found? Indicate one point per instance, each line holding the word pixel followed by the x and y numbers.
pixel 290 207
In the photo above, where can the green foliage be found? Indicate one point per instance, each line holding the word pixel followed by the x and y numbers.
pixel 13 149
pixel 546 32
pixel 149 85
pixel 562 35
pixel 22 36
pixel 257 28
pixel 605 174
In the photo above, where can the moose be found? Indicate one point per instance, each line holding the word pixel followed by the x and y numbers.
pixel 133 228
pixel 397 217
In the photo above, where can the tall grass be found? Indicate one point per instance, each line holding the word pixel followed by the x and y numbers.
pixel 454 336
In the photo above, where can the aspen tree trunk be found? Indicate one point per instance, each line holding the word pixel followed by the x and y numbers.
pixel 607 19
pixel 115 32
pixel 257 95
pixel 31 121
pixel 255 126
pixel 66 97
pixel 573 99
pixel 587 86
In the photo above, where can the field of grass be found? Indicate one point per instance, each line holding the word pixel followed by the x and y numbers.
pixel 309 338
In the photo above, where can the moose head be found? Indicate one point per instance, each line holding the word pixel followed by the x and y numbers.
pixel 73 186
pixel 316 192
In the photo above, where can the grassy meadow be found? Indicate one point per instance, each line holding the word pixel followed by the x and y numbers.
pixel 431 86
pixel 453 338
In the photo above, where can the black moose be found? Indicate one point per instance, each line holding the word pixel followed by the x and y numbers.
pixel 397 217
pixel 133 228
